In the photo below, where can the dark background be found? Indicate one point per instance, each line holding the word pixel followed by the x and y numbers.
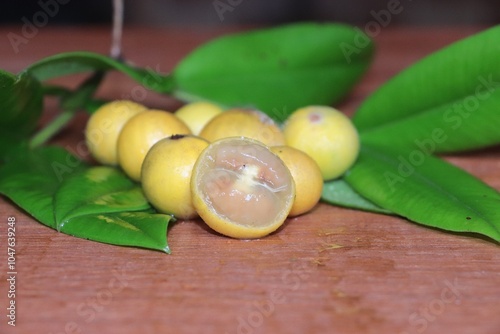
pixel 203 12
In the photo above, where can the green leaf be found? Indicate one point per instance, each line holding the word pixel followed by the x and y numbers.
pixel 20 102
pixel 339 192
pixel 97 190
pixel 30 178
pixel 447 102
pixel 276 70
pixel 139 229
pixel 79 62
pixel 428 191
pixel 95 203
pixel 102 204
pixel 10 142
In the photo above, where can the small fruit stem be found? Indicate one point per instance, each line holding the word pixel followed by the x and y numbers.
pixel 177 137
pixel 51 129
pixel 53 90
pixel 71 103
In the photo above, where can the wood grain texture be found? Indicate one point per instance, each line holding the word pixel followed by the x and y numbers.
pixel 331 271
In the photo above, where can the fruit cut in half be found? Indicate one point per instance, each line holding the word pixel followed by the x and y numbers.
pixel 241 189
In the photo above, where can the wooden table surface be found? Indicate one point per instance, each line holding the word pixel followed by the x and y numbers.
pixel 334 270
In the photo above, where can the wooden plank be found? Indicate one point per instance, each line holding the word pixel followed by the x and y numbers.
pixel 333 270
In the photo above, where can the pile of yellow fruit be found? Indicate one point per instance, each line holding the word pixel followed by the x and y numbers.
pixel 237 169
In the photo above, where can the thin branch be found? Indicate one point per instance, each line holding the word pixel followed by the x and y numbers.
pixel 117 30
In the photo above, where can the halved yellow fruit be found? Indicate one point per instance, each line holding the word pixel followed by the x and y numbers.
pixel 241 189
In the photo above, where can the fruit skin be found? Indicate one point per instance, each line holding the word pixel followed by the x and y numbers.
pixel 166 174
pixel 248 123
pixel 224 225
pixel 326 135
pixel 140 133
pixel 306 175
pixel 104 126
pixel 197 114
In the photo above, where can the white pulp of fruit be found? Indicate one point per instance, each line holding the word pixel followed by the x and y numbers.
pixel 245 188
pixel 247 179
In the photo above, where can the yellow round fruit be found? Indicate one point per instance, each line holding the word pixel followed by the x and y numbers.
pixel 166 174
pixel 252 124
pixel 306 175
pixel 241 189
pixel 197 114
pixel 104 126
pixel 326 135
pixel 140 133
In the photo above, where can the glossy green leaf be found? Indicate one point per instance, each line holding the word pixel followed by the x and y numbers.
pixel 447 102
pixel 139 229
pixel 10 142
pixel 426 190
pixel 31 178
pixel 20 102
pixel 80 62
pixel 276 70
pixel 96 203
pixel 97 190
pixel 339 192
